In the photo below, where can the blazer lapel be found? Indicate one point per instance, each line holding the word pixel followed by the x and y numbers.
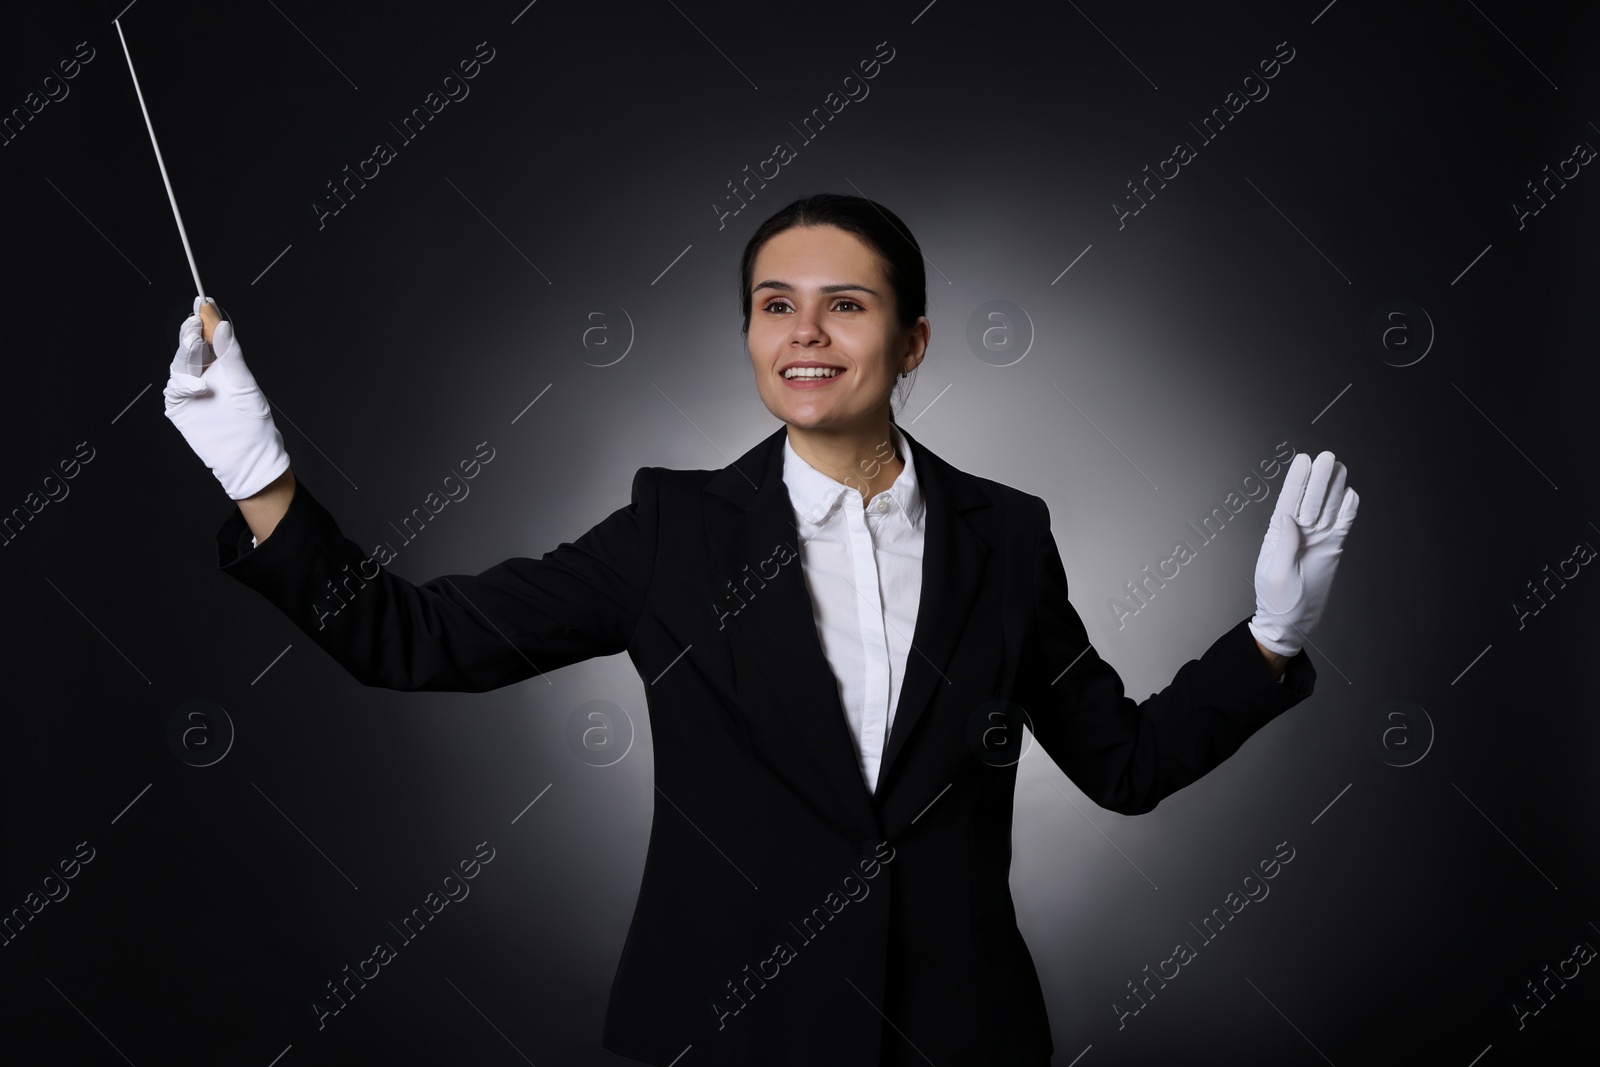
pixel 770 619
pixel 953 561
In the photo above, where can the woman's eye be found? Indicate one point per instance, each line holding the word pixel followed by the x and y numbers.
pixel 838 305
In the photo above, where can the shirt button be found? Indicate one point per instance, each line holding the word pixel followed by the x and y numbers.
pixel 882 504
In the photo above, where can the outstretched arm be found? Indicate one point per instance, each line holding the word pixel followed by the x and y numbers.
pixel 457 632
pixel 1128 755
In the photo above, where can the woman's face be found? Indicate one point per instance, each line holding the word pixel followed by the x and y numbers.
pixel 819 297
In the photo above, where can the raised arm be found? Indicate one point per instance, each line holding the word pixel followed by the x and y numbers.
pixel 459 632
pixel 456 632
pixel 1127 756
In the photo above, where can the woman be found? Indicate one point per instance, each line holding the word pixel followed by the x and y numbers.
pixel 835 735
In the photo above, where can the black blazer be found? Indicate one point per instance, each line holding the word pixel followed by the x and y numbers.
pixel 785 912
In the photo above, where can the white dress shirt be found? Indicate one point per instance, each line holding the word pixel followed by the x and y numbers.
pixel 863 568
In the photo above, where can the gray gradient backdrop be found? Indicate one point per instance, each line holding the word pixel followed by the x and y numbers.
pixel 581 176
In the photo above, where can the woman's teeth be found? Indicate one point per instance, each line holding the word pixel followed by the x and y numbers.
pixel 811 372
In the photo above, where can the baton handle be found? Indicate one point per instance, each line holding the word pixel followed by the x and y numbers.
pixel 208 319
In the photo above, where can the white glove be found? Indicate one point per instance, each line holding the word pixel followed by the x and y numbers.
pixel 1305 538
pixel 213 400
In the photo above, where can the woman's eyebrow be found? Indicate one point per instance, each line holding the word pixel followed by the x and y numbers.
pixel 843 288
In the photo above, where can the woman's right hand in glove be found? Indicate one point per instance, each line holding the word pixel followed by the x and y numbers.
pixel 214 401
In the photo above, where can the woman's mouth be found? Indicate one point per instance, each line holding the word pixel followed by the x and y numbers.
pixel 810 377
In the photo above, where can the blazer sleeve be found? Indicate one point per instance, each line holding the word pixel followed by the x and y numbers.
pixel 464 633
pixel 1127 756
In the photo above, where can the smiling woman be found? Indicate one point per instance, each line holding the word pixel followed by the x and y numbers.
pixel 835 299
pixel 843 713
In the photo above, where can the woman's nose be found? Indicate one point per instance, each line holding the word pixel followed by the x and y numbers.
pixel 807 327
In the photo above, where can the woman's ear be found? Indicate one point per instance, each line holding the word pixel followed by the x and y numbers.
pixel 916 345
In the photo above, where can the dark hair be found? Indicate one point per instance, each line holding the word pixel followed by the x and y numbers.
pixel 878 227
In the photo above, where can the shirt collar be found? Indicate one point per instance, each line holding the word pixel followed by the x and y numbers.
pixel 815 495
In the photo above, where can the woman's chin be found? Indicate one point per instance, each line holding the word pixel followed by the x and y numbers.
pixel 820 421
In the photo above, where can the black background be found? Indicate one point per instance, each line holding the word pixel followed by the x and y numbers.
pixel 456 288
